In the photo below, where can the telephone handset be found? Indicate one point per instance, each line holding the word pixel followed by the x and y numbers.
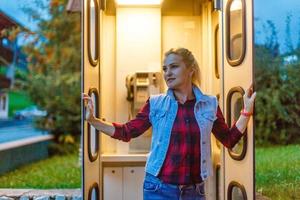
pixel 129 86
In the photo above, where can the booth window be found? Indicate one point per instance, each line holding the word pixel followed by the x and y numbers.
pixel 236 191
pixel 235 32
pixel 218 182
pixel 93 134
pixel 217 141
pixel 217 54
pixel 234 106
pixel 93 31
pixel 94 192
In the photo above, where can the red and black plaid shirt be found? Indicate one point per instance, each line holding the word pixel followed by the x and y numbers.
pixel 182 163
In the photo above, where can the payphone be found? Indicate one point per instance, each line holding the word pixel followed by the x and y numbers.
pixel 140 86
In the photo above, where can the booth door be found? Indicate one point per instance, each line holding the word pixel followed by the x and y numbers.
pixel 91 165
pixel 237 28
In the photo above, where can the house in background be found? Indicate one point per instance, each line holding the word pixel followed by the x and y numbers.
pixel 10 57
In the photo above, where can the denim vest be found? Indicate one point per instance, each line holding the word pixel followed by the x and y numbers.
pixel 163 111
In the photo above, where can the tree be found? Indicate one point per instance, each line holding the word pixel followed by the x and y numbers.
pixel 271 41
pixel 288 38
pixel 277 103
pixel 54 56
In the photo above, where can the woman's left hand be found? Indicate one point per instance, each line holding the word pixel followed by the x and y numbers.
pixel 249 98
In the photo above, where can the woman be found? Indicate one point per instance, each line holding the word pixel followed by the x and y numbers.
pixel 181 120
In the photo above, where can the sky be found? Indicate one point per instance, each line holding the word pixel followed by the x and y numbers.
pixel 275 10
pixel 13 8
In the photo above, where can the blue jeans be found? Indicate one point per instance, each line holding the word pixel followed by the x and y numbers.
pixel 155 189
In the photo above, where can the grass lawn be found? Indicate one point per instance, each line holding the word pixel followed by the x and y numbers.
pixel 51 173
pixel 278 172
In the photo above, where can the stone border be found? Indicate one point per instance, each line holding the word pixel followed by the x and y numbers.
pixel 56 194
pixel 33 194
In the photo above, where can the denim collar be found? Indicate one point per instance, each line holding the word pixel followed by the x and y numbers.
pixel 197 92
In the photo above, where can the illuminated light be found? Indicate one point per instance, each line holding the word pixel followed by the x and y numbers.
pixel 92 4
pixel 139 2
pixel 236 5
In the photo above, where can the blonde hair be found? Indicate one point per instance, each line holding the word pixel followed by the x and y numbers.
pixel 189 60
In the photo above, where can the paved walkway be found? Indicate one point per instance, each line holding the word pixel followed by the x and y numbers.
pixel 11 130
pixel 59 194
pixel 33 194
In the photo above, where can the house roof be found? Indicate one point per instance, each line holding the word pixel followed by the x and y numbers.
pixel 6 56
pixel 7 21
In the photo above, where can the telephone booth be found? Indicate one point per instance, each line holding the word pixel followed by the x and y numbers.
pixel 121 37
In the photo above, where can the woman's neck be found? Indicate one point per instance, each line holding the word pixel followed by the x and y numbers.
pixel 184 94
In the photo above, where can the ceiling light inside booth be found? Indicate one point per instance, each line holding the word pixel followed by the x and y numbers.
pixel 139 2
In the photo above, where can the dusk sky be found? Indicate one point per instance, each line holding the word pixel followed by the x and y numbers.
pixel 13 8
pixel 275 10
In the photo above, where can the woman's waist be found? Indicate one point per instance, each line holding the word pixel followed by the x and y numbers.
pixel 175 184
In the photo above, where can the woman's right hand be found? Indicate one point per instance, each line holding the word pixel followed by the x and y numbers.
pixel 89 107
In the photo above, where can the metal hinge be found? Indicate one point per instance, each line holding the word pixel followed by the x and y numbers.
pixel 217 5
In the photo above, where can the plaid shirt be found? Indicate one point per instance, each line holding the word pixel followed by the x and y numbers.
pixel 182 162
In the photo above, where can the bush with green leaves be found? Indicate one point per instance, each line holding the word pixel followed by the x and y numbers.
pixel 54 55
